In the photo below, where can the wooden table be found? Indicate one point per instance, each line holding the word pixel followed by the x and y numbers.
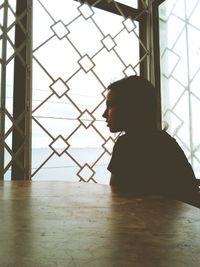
pixel 44 224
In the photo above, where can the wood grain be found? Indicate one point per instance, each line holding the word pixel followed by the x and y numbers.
pixel 47 224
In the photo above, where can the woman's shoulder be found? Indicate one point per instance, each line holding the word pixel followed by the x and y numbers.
pixel 166 139
pixel 158 139
pixel 164 136
pixel 169 147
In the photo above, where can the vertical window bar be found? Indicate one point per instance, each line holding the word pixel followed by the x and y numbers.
pixel 143 24
pixel 155 66
pixel 149 35
pixel 28 128
pixel 21 145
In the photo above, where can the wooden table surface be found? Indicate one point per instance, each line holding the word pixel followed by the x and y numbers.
pixel 75 224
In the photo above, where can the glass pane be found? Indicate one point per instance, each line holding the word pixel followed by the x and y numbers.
pixel 78 51
pixel 180 69
pixel 132 3
pixel 7 54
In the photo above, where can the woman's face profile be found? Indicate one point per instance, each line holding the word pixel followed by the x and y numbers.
pixel 112 114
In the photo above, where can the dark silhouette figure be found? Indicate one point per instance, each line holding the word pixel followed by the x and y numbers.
pixel 145 160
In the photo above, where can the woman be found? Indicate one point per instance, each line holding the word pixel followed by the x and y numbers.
pixel 145 160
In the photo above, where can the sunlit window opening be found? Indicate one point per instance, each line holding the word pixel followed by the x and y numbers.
pixel 68 58
pixel 180 69
pixel 77 51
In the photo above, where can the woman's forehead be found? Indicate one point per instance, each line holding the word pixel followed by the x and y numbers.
pixel 109 95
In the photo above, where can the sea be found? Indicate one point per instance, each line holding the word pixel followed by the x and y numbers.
pixel 73 165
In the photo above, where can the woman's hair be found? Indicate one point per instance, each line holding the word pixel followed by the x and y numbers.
pixel 136 99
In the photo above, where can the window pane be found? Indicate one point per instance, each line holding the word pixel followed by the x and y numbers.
pixel 180 68
pixel 7 54
pixel 132 3
pixel 78 51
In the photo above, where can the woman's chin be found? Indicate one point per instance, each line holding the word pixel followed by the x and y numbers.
pixel 114 130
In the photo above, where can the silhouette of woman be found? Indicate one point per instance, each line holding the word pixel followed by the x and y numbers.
pixel 145 160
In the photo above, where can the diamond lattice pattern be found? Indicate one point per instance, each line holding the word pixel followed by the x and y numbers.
pixel 180 62
pixel 77 51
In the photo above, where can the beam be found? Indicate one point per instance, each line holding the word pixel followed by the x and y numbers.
pixel 21 141
pixel 127 11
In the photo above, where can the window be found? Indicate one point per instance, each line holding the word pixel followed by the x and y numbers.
pixel 180 73
pixel 52 124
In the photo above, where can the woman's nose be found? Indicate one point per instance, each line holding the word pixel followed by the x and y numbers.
pixel 104 115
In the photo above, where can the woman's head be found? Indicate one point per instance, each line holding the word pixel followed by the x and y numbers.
pixel 131 105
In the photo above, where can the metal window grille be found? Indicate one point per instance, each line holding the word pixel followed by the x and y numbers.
pixel 54 75
pixel 180 70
